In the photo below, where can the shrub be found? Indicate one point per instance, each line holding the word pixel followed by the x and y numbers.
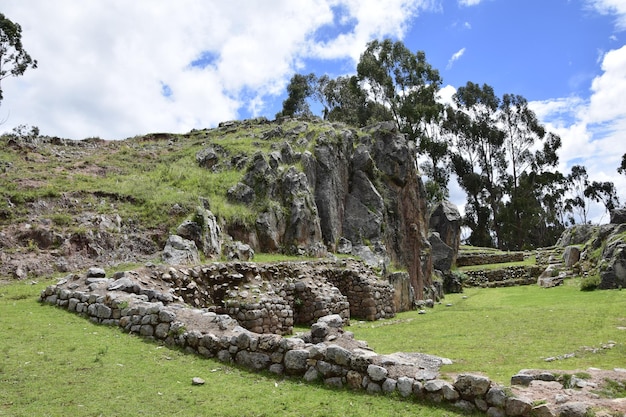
pixel 590 282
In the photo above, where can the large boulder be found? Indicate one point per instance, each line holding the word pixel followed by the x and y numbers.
pixel 204 231
pixel 614 276
pixel 571 256
pixel 618 216
pixel 577 235
pixel 179 251
pixel 443 256
pixel 445 219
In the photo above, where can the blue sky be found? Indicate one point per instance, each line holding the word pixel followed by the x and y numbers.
pixel 117 69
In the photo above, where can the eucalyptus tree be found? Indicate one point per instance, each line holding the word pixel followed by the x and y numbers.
pixel 527 160
pixel 402 82
pixel 299 89
pixel 14 60
pixel 478 157
pixel 578 181
pixel 603 192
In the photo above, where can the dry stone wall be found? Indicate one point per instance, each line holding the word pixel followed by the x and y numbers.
pixel 327 353
pixel 505 277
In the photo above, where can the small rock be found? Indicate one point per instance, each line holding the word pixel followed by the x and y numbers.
pixel 197 381
pixel 96 273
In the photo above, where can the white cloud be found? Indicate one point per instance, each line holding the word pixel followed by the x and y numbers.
pixel 614 7
pixel 469 2
pixel 103 65
pixel 592 131
pixel 455 57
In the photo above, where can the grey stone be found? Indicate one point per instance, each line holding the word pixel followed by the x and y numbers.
pixel 334 382
pixel 449 393
pixel 618 216
pixel 253 360
pixel 496 396
pixel 311 374
pixel 124 284
pixel 405 386
pixel 389 385
pixel 296 361
pixel 522 379
pixel 471 386
pixel 96 273
pixel 338 355
pixel 573 409
pixel 434 385
pixel 373 388
pixel 571 256
pixel 465 406
pixel 197 381
pixel 319 331
pixel 332 320
pixel 161 330
pixel 239 251
pixel 443 255
pixel 277 368
pixel 179 251
pixel 542 411
pixel 516 406
pixel 495 412
pixel 377 373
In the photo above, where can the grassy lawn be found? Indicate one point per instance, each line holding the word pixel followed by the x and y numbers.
pixel 54 363
pixel 500 331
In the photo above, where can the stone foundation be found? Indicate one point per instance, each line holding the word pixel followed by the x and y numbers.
pixel 327 353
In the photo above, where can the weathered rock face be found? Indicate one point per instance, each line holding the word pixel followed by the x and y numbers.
pixel 360 188
pixel 618 216
pixel 179 251
pixel 445 219
pixel 609 239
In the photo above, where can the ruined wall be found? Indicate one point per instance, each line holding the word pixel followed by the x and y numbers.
pixel 327 353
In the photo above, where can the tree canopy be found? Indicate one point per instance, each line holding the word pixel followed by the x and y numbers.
pixel 14 60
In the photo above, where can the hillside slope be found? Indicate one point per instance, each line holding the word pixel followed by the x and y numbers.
pixel 303 187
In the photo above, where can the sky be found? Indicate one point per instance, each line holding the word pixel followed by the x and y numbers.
pixel 116 69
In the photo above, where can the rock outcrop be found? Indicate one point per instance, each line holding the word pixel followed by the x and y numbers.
pixel 360 188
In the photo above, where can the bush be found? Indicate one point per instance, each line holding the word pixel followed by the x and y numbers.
pixel 590 283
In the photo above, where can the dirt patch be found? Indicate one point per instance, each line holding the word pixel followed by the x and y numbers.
pixel 553 393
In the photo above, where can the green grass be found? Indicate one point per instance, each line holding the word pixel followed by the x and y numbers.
pixel 500 331
pixel 54 363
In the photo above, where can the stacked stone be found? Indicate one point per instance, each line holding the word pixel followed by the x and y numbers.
pixel 347 288
pixel 268 315
pixel 488 258
pixel 314 299
pixel 505 277
pixel 368 298
pixel 316 356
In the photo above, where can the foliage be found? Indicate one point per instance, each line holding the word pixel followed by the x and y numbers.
pixel 14 60
pixel 590 282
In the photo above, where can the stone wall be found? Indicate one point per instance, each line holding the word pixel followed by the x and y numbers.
pixel 505 277
pixel 327 353
pixel 468 259
pixel 272 297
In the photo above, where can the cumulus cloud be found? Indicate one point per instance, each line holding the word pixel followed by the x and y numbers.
pixel 455 57
pixel 116 69
pixel 612 7
pixel 592 130
pixel 469 2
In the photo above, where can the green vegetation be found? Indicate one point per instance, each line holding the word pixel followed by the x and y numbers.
pixel 55 363
pixel 499 331
pixel 613 389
